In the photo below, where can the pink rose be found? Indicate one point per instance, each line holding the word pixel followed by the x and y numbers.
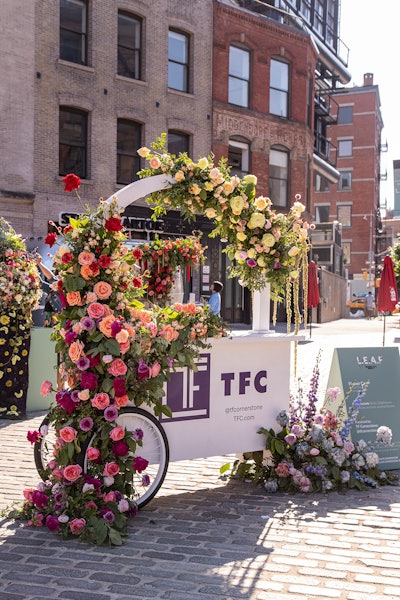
pixel 155 369
pixel 117 433
pixel 117 367
pixel 68 434
pixel 109 497
pixel 77 526
pixel 72 472
pixel 96 310
pixel 100 400
pixel 314 451
pixel 92 453
pixel 111 469
pixel 46 388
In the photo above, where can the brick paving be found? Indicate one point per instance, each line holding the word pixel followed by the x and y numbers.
pixel 206 538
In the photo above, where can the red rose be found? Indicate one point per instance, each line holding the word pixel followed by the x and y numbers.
pixel 50 239
pixel 137 282
pixel 104 261
pixel 71 182
pixel 113 224
pixel 137 253
pixel 67 258
pixel 67 229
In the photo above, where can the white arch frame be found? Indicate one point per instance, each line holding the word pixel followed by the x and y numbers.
pixel 144 187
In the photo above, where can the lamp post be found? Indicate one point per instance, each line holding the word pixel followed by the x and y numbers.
pixel 370 254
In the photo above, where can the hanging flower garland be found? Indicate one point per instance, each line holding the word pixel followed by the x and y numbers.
pixel 114 352
pixel 265 246
pixel 158 261
pixel 20 292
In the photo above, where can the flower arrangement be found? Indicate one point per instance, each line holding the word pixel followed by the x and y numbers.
pixel 158 261
pixel 20 292
pixel 313 451
pixel 114 353
pixel 266 247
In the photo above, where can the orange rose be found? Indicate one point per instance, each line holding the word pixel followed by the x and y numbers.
pixel 122 336
pixel 86 272
pixel 124 347
pixel 105 325
pixel 131 330
pixel 75 350
pixel 117 368
pixel 169 333
pixel 103 290
pixel 121 401
pixel 74 298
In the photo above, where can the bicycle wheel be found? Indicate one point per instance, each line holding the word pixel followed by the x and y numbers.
pixel 44 447
pixel 155 449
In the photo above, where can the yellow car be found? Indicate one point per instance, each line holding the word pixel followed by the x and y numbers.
pixel 357 303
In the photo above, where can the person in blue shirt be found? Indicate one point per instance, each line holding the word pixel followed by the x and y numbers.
pixel 215 299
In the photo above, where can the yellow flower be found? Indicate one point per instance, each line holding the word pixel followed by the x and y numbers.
pixel 250 179
pixel 143 152
pixel 294 274
pixel 208 186
pixel 18 298
pixel 227 187
pixel 261 261
pixel 194 189
pixel 203 163
pixel 251 253
pixel 237 204
pixel 268 240
pixel 294 250
pixel 179 176
pixel 9 383
pixel 260 203
pixel 210 213
pixel 4 320
pixel 241 236
pixel 298 208
pixel 256 220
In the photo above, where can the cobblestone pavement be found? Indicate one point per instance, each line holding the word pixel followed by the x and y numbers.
pixel 205 538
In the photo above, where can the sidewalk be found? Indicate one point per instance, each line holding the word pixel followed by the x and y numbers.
pixel 203 538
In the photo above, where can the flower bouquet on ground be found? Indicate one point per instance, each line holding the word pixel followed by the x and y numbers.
pixel 114 354
pixel 313 451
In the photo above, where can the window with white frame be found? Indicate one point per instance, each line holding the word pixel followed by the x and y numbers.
pixel 239 76
pixel 279 88
pixel 279 176
pixel 345 148
pixel 239 157
pixel 178 61
pixel 73 31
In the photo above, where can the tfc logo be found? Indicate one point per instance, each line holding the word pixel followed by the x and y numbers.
pixel 187 393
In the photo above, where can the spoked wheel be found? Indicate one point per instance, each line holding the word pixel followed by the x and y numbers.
pixel 154 449
pixel 44 447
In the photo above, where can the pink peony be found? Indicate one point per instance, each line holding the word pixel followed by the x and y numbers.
pixel 96 310
pixel 117 433
pixel 100 400
pixel 46 388
pixel 92 453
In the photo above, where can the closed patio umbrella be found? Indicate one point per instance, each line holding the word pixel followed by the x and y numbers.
pixel 387 292
pixel 313 297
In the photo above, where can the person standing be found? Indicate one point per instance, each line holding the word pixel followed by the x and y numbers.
pixel 215 299
pixel 369 305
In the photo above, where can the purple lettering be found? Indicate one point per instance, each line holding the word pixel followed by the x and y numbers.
pixel 244 381
pixel 257 382
pixel 228 378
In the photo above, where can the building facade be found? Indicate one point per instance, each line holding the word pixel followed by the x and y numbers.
pixel 354 201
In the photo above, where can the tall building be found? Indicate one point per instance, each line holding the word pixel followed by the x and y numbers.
pixel 354 201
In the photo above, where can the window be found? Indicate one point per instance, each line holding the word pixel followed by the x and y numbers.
pixel 345 115
pixel 178 61
pixel 344 214
pixel 278 177
pixel 129 135
pixel 322 213
pixel 73 142
pixel 319 16
pixel 129 45
pixel 345 180
pixel 345 148
pixel 239 76
pixel 238 158
pixel 321 183
pixel 279 88
pixel 73 31
pixel 178 142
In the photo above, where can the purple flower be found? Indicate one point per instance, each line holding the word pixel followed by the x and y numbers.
pixel 87 323
pixel 143 370
pixel 108 516
pixel 70 337
pixel 290 439
pixel 40 500
pixel 116 327
pixel 111 413
pixel 145 481
pixel 75 396
pixel 86 424
pixel 83 363
pixel 89 381
pixel 251 262
pixel 277 264
pixel 140 464
pixel 53 523
pixel 137 435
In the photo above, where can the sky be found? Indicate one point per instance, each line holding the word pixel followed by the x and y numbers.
pixel 371 30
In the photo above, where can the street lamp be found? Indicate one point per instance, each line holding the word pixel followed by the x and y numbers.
pixel 374 222
pixel 370 249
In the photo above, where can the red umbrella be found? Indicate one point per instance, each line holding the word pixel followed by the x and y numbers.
pixel 313 297
pixel 387 292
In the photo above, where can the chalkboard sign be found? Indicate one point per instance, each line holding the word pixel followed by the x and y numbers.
pixel 381 403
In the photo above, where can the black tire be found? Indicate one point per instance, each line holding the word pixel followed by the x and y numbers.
pixel 155 449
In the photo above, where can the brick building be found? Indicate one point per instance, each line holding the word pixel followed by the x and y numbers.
pixel 354 200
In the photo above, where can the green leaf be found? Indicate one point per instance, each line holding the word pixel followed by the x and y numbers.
pixel 115 538
pixel 112 347
pixel 226 467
